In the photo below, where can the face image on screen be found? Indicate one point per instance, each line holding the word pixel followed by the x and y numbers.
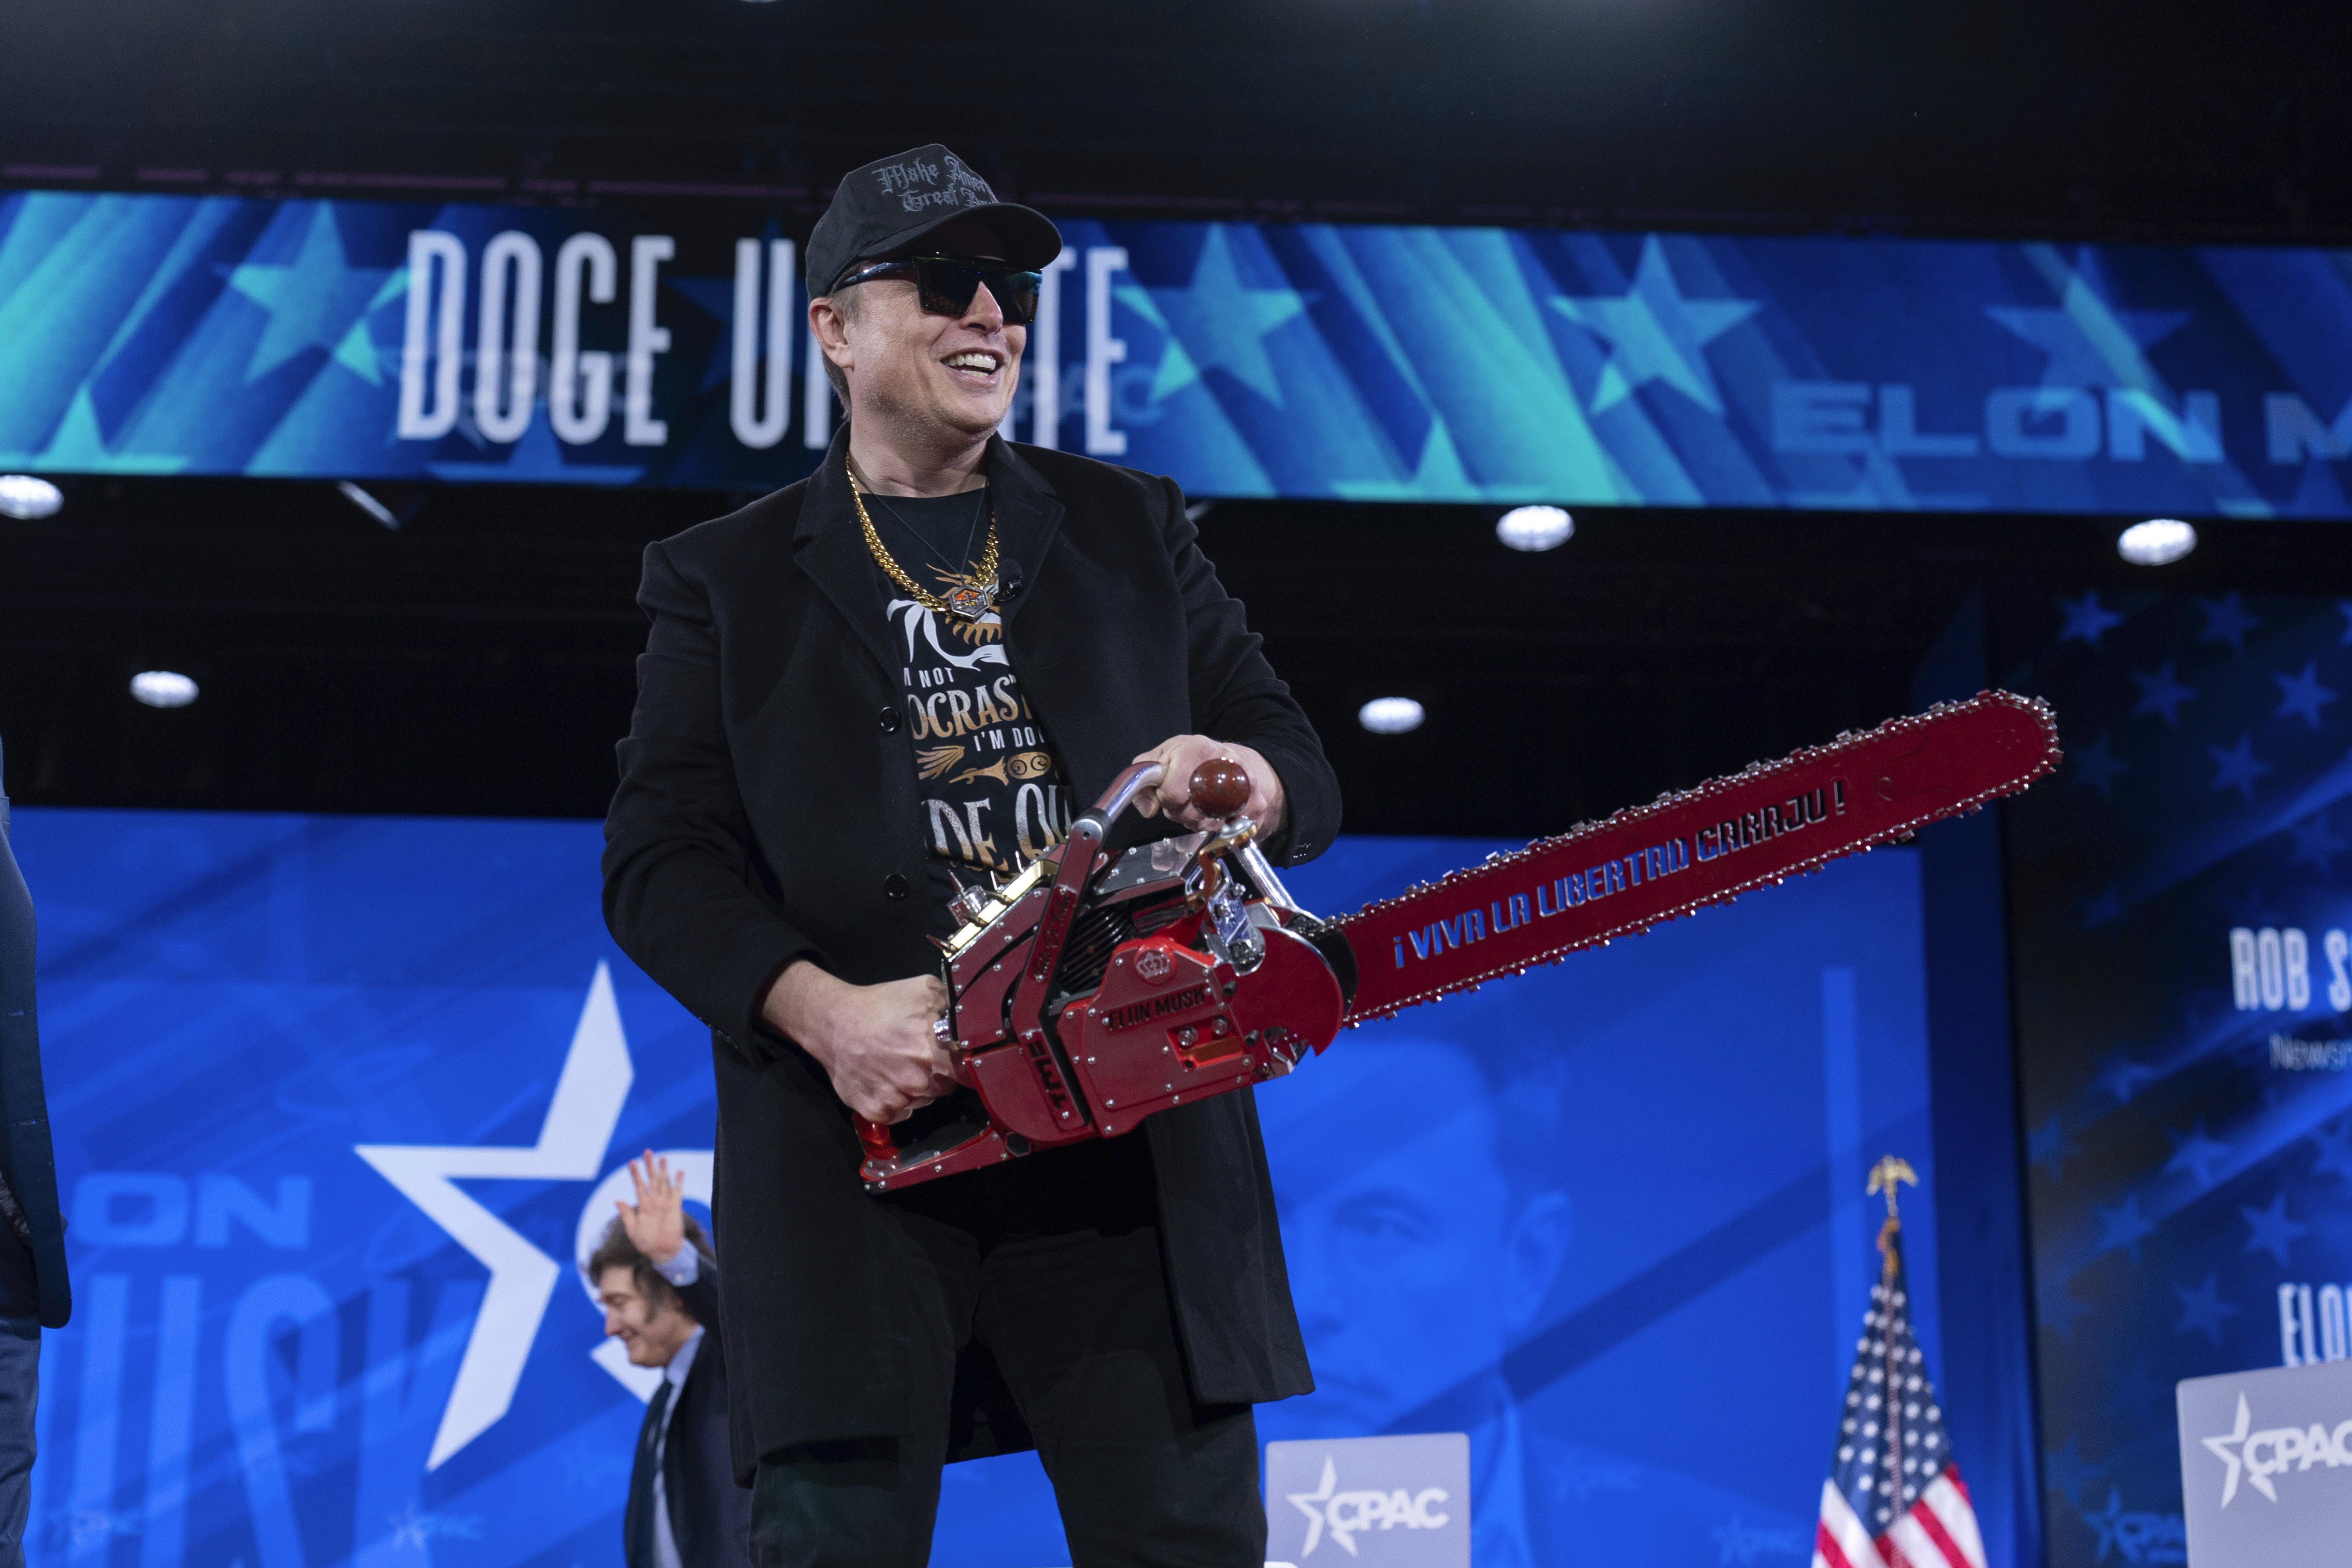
pixel 1417 1262
pixel 1586 1217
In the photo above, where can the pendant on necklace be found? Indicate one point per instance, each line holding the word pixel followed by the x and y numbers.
pixel 970 603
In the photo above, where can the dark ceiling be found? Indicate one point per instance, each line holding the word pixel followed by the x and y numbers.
pixel 478 659
pixel 2039 119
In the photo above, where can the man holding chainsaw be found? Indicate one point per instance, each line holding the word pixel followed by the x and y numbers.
pixel 901 672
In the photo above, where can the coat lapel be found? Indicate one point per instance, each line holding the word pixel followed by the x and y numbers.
pixel 831 547
pixel 1028 516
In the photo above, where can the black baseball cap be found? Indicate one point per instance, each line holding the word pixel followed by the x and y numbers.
pixel 888 206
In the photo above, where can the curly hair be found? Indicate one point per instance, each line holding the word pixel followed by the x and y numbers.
pixel 617 1251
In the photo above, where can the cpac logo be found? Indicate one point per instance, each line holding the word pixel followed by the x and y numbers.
pixel 590 1092
pixel 1343 1513
pixel 2258 1456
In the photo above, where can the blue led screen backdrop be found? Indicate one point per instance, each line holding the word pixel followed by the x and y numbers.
pixel 148 334
pixel 2184 977
pixel 339 1099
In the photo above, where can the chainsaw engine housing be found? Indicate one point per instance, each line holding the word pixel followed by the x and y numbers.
pixel 1101 985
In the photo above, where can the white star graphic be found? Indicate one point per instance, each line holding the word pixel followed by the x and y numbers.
pixel 1654 333
pixel 581 1116
pixel 2224 1449
pixel 1309 1503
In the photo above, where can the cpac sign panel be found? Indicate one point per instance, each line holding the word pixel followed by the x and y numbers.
pixel 347 340
pixel 2262 1461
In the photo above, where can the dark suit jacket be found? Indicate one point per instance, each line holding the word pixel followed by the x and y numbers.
pixel 709 1515
pixel 25 1159
pixel 767 812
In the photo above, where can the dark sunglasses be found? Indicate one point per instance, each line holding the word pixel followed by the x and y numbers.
pixel 945 285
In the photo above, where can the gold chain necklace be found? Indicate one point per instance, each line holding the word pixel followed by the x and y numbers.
pixel 967 602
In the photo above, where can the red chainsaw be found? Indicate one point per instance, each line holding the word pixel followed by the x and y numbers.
pixel 1110 980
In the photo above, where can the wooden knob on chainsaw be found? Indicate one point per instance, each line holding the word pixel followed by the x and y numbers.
pixel 1221 787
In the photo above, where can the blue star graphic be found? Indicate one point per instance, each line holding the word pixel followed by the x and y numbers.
pixel 2238 767
pixel 2089 341
pixel 2087 618
pixel 2123 1226
pixel 2227 620
pixel 2273 1232
pixel 1219 319
pixel 2103 910
pixel 2120 1076
pixel 2047 1146
pixel 2316 844
pixel 2097 766
pixel 1656 334
pixel 2302 695
pixel 2059 1309
pixel 2202 1309
pixel 2162 693
pixel 318 300
pixel 2334 1140
pixel 2066 1472
pixel 2193 1154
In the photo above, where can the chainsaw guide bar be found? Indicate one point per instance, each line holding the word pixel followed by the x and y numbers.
pixel 1684 851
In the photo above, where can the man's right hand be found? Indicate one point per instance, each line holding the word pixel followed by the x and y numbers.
pixel 874 1041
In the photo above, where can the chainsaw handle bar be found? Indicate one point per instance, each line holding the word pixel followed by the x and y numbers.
pixel 1139 777
pixel 1220 788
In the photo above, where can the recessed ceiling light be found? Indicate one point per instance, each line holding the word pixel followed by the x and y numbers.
pixel 163 688
pixel 2156 542
pixel 1535 528
pixel 24 496
pixel 1390 716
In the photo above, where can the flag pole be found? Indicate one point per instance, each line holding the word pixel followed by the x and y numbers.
pixel 1882 1507
pixel 1886 1176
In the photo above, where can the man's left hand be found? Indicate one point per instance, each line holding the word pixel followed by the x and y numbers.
pixel 1180 754
pixel 656 1223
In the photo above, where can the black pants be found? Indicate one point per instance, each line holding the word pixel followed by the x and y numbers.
pixel 20 1367
pixel 1053 1267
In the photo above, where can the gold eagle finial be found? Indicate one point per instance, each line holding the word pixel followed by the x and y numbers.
pixel 1886 1175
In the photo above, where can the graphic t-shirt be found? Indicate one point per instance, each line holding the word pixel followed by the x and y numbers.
pixel 991 793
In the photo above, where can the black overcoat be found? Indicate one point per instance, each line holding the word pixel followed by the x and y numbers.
pixel 767 812
pixel 25 1160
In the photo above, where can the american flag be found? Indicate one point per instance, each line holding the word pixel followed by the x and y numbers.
pixel 1894 1498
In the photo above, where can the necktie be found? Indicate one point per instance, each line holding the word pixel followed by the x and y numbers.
pixel 641 1481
